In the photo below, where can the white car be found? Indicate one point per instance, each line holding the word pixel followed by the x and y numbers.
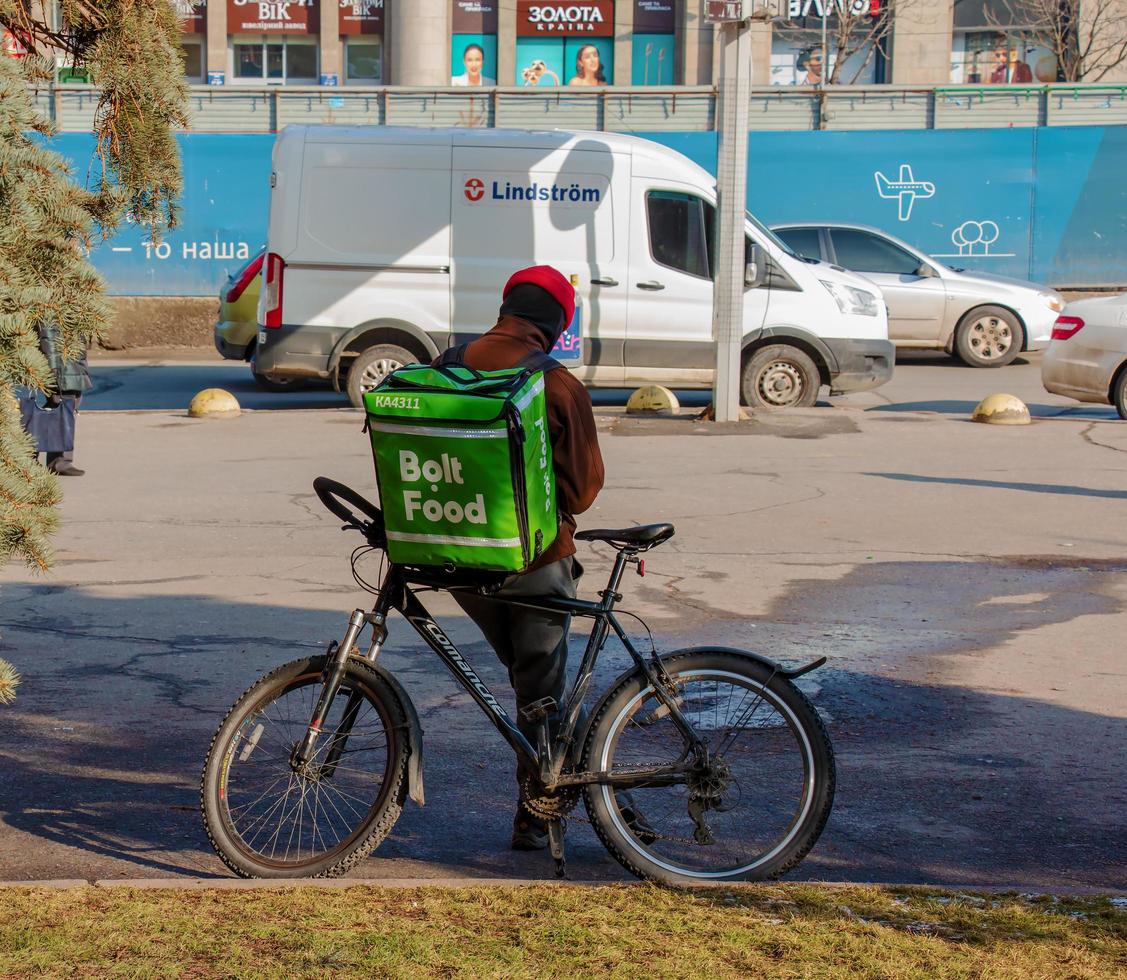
pixel 986 320
pixel 1087 357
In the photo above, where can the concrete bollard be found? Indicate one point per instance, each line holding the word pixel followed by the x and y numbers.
pixel 214 403
pixel 1001 409
pixel 653 400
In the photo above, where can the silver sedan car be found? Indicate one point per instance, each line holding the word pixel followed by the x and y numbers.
pixel 987 320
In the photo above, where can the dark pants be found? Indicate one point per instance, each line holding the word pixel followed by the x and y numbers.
pixel 531 643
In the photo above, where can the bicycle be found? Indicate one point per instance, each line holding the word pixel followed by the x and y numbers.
pixel 704 764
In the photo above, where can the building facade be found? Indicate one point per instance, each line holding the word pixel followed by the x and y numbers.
pixel 609 42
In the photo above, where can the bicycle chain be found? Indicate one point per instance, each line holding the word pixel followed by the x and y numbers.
pixel 559 805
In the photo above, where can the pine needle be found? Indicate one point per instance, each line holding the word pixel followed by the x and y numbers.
pixel 9 681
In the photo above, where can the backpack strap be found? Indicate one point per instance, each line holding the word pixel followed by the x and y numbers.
pixel 453 355
pixel 537 360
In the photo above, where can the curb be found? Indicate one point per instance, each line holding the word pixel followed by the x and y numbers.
pixel 336 884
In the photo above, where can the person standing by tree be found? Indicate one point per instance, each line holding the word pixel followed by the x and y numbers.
pixel 50 219
pixel 72 379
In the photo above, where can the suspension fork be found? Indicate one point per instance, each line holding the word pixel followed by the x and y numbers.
pixel 333 677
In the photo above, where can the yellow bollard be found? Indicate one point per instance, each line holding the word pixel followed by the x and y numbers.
pixel 1001 409
pixel 214 403
pixel 653 400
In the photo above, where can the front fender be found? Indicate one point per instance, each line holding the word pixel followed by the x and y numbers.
pixel 414 734
pixel 789 332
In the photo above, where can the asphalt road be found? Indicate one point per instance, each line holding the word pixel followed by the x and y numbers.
pixel 968 584
pixel 922 382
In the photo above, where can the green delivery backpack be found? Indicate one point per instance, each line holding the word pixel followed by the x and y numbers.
pixel 464 464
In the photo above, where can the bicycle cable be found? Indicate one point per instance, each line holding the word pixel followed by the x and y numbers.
pixel 359 579
pixel 645 626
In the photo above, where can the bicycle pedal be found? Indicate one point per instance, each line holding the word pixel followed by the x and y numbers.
pixel 538 710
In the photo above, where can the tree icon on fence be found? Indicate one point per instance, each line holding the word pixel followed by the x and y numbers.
pixel 975 237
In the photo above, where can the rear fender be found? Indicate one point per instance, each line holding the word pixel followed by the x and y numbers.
pixel 414 734
pixel 399 332
pixel 788 672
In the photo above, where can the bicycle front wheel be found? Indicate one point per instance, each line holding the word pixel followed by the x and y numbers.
pixel 270 819
pixel 752 812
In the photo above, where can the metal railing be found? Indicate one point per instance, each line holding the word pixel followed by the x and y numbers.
pixel 239 109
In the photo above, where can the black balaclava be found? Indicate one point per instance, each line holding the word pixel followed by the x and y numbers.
pixel 536 305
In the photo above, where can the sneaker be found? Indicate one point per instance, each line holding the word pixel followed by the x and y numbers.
pixel 530 833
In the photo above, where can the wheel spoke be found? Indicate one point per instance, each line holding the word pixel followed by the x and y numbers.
pixel 750 794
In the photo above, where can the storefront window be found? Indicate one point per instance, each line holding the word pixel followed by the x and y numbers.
pixel 248 61
pixel 278 60
pixel 473 44
pixel 565 44
pixel 193 60
pixel 1001 58
pixel 797 59
pixel 653 44
pixel 996 42
pixel 301 61
pixel 363 61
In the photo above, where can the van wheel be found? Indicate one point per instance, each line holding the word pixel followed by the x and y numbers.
pixel 372 366
pixel 780 376
pixel 989 336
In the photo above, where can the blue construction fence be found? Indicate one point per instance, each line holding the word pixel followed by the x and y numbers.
pixel 1047 204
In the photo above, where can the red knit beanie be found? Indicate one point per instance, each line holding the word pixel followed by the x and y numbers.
pixel 552 281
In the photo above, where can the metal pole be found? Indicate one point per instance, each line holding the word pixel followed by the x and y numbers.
pixel 825 53
pixel 731 192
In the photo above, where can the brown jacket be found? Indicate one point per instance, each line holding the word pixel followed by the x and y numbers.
pixel 571 425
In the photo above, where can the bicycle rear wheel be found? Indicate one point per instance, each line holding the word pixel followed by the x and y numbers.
pixel 268 820
pixel 753 813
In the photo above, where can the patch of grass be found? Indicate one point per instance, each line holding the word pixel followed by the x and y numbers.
pixel 552 931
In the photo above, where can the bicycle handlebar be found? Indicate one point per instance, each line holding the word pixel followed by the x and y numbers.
pixel 331 494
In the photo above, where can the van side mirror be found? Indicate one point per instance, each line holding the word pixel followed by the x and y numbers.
pixel 755 271
pixel 925 271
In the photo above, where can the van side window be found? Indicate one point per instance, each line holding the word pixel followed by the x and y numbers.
pixel 681 232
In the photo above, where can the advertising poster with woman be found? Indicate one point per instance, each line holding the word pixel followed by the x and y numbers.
pixel 570 62
pixel 473 45
pixel 474 60
pixel 565 44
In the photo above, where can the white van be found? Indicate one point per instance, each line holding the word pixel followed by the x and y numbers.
pixel 386 245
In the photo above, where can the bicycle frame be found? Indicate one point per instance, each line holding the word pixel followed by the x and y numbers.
pixel 396 594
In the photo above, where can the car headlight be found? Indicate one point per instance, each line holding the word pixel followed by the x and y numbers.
pixel 849 299
pixel 1054 301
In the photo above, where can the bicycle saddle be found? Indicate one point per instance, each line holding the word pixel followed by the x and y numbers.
pixel 642 538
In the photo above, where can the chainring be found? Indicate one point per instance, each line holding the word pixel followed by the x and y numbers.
pixel 554 806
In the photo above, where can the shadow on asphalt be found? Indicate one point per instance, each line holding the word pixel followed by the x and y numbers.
pixel 941 359
pixel 170 387
pixel 943 406
pixel 1006 485
pixel 936 782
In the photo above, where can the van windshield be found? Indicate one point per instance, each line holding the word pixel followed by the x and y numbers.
pixel 770 235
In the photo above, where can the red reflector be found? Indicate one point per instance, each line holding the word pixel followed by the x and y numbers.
pixel 272 291
pixel 244 280
pixel 1066 326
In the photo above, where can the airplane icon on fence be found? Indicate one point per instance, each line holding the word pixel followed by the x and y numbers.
pixel 907 189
